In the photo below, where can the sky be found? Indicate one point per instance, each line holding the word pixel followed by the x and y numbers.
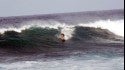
pixel 33 7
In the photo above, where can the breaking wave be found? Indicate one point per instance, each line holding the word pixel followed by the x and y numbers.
pixel 116 27
pixel 46 33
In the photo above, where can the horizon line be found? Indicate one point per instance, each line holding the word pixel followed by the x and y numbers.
pixel 58 13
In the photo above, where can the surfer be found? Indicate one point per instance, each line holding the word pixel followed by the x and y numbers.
pixel 62 37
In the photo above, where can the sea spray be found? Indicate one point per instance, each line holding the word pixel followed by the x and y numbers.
pixel 116 27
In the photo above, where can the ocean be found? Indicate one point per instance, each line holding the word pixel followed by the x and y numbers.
pixel 94 41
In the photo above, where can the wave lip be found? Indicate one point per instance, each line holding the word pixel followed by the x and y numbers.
pixel 117 27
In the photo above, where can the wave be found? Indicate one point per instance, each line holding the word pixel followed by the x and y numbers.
pixel 44 34
pixel 116 27
pixel 37 36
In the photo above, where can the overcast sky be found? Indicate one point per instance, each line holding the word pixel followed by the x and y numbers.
pixel 32 7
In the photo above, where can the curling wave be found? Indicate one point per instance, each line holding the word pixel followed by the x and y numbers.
pixel 37 36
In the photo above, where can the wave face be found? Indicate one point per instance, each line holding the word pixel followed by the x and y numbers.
pixel 103 26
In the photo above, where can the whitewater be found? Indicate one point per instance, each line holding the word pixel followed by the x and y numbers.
pixel 88 62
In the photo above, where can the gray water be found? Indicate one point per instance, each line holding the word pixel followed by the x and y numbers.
pixel 84 62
